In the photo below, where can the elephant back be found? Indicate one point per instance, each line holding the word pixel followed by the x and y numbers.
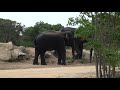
pixel 68 29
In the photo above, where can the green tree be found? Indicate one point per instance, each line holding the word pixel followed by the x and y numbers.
pixel 27 37
pixel 57 27
pixel 105 31
pixel 9 30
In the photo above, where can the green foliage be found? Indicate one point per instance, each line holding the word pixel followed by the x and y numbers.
pixel 9 30
pixel 111 56
pixel 117 35
pixel 85 29
pixel 71 21
pixel 56 27
pixel 24 41
pixel 103 33
pixel 69 60
pixel 41 27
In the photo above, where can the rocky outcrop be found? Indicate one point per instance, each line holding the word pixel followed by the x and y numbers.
pixel 50 58
pixel 30 52
pixel 5 51
pixel 17 54
pixel 10 52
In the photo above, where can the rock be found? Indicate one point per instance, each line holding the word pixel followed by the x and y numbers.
pixel 9 52
pixel 69 53
pixel 48 55
pixel 5 51
pixel 15 47
pixel 22 48
pixel 50 58
pixel 10 45
pixel 17 54
pixel 30 52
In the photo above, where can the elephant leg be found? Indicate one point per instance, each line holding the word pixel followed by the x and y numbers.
pixel 80 51
pixel 80 54
pixel 77 55
pixel 73 53
pixel 35 61
pixel 91 50
pixel 63 56
pixel 42 55
pixel 73 49
pixel 59 57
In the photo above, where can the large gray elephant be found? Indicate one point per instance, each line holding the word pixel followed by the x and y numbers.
pixel 47 41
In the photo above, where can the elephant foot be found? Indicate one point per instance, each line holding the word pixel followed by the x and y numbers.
pixel 80 58
pixel 35 63
pixel 43 64
pixel 76 57
pixel 63 63
pixel 59 63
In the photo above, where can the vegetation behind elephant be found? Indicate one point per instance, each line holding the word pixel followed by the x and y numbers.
pixel 47 41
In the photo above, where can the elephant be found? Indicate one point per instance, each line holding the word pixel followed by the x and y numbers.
pixel 71 39
pixel 78 47
pixel 47 41
pixel 76 43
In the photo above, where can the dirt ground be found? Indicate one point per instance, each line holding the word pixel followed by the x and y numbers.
pixel 25 69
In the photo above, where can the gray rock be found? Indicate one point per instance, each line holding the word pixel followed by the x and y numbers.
pixel 5 51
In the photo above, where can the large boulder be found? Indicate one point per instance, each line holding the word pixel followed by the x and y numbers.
pixel 50 58
pixel 5 51
pixel 9 52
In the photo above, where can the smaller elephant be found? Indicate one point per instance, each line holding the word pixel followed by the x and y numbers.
pixel 79 47
pixel 47 41
pixel 76 43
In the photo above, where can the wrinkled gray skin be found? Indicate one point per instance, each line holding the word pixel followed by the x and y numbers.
pixel 47 41
pixel 75 43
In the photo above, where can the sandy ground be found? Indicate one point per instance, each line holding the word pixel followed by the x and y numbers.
pixel 25 69
pixel 52 72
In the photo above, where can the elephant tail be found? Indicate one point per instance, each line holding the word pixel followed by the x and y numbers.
pixel 35 44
